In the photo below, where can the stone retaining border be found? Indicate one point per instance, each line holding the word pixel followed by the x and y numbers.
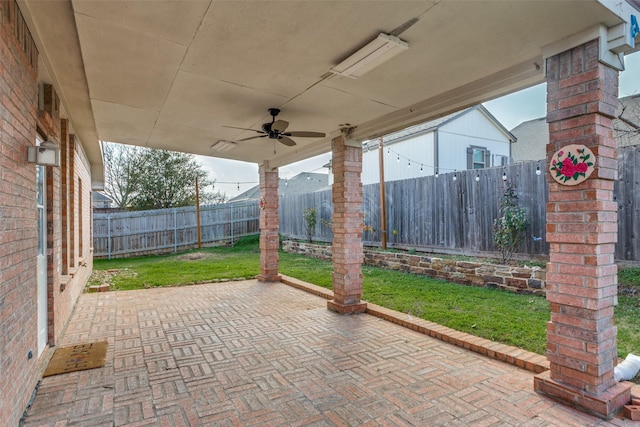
pixel 520 280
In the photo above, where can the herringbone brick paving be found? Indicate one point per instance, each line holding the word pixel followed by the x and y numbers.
pixel 255 354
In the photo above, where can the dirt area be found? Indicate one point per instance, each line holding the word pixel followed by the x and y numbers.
pixel 100 277
pixel 198 256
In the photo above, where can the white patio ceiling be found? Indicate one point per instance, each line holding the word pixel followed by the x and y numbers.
pixel 172 74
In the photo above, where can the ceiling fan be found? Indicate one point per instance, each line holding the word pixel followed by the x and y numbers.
pixel 276 130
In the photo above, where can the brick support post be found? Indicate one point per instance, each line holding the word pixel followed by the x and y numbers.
pixel 347 252
pixel 269 224
pixel 582 232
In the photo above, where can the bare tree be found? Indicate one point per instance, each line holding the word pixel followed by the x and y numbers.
pixel 122 169
pixel 145 178
pixel 627 125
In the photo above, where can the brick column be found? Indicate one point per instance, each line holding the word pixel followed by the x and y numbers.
pixel 582 231
pixel 347 253
pixel 269 223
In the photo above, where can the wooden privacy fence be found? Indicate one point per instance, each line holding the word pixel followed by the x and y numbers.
pixel 440 214
pixel 170 230
pixel 456 215
pixel 453 212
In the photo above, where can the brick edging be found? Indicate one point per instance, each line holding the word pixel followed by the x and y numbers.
pixel 515 356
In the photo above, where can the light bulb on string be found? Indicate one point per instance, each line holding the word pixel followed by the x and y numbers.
pixel 420 168
pixel 477 177
pixel 437 174
pixel 538 171
pixel 455 177
pixel 398 159
pixel 504 176
pixel 388 151
pixel 409 164
pixel 238 186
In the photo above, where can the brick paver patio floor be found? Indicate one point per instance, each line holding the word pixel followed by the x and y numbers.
pixel 254 354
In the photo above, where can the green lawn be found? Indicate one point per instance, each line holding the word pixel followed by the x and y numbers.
pixel 517 320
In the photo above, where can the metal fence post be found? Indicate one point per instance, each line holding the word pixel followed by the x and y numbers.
pixel 175 230
pixel 231 220
pixel 109 236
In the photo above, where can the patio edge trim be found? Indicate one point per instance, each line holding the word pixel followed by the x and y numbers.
pixel 513 355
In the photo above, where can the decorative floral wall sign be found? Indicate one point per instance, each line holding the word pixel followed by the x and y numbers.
pixel 572 164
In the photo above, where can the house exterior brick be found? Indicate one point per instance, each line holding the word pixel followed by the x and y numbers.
pixel 20 122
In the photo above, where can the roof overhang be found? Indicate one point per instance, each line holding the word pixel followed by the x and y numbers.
pixel 173 74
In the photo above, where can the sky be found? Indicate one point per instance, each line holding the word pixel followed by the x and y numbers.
pixel 234 177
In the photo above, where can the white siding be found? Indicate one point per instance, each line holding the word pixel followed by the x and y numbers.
pixel 471 129
pixel 418 149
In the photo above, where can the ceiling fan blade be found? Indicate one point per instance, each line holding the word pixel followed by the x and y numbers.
pixel 305 134
pixel 234 127
pixel 286 141
pixel 252 137
pixel 279 125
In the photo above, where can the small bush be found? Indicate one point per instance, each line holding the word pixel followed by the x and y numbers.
pixel 508 230
pixel 311 218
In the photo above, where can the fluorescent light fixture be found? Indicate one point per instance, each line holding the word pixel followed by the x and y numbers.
pixel 380 50
pixel 223 146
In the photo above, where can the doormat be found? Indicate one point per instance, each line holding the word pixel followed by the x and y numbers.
pixel 77 357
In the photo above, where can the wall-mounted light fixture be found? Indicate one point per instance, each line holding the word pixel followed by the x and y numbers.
pixel 223 145
pixel 47 154
pixel 379 50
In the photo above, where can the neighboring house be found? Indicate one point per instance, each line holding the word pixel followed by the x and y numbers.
pixel 533 135
pixel 532 139
pixel 306 182
pixel 101 201
pixel 468 139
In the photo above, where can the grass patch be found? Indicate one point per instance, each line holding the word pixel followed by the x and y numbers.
pixel 517 320
pixel 186 268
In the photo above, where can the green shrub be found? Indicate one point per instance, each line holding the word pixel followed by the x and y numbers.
pixel 509 229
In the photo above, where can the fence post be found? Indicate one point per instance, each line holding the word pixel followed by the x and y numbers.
pixel 231 220
pixel 175 231
pixel 109 236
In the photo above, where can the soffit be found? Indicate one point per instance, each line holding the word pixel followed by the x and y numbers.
pixel 173 74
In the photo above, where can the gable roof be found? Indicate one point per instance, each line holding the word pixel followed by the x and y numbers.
pixel 305 182
pixel 433 125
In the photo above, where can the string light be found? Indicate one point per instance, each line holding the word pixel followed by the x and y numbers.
pixel 538 171
pixel 437 174
pixel 398 158
pixel 409 164
pixel 455 177
pixel 504 176
pixel 238 186
pixel 477 177
pixel 388 151
pixel 420 168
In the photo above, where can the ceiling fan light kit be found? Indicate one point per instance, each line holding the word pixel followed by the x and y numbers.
pixel 378 51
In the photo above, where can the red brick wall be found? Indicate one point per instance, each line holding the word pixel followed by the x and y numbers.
pixel 65 289
pixel 269 222
pixel 18 115
pixel 19 119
